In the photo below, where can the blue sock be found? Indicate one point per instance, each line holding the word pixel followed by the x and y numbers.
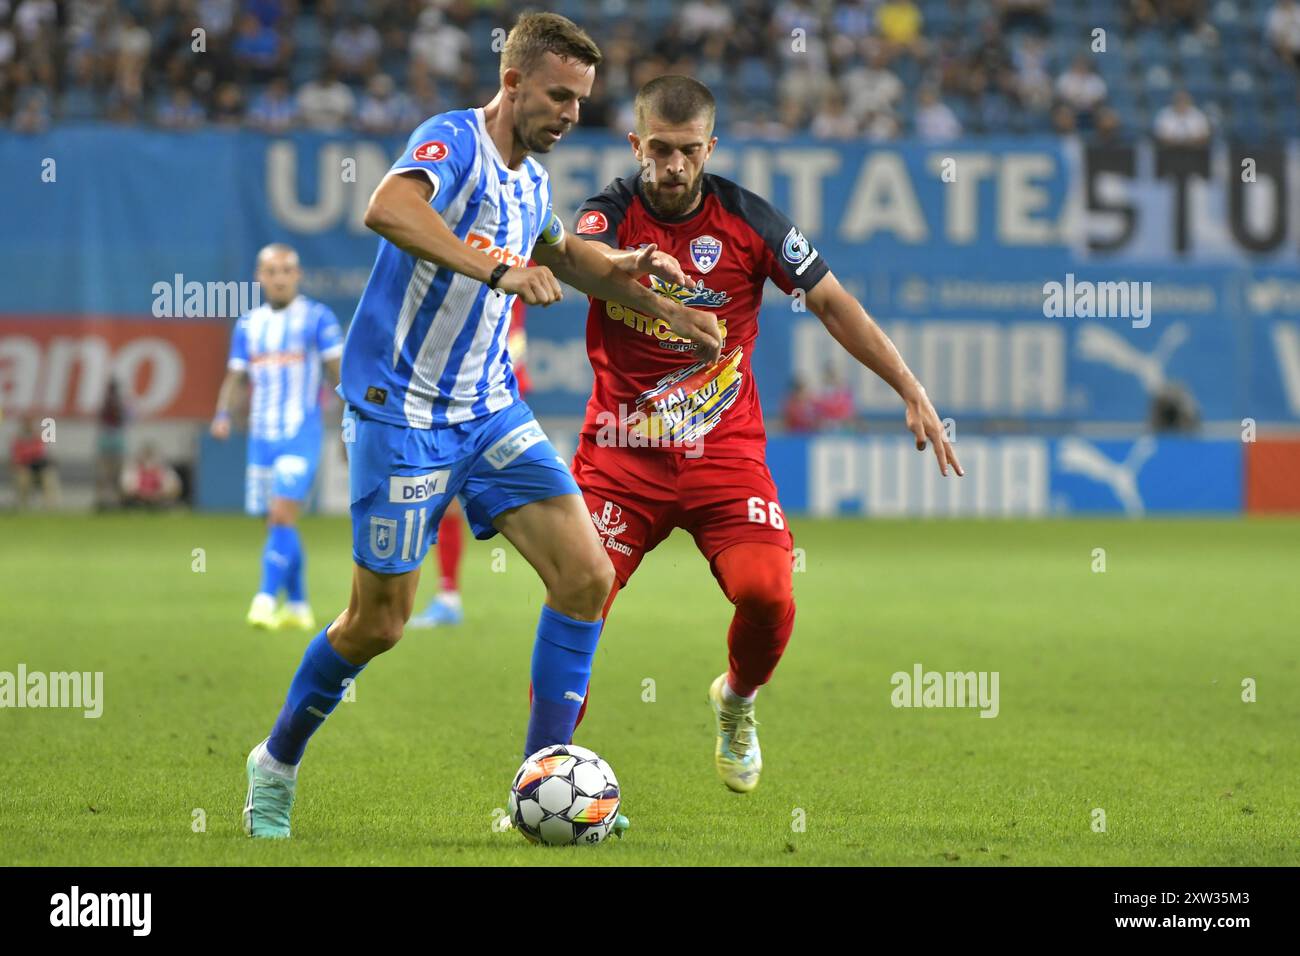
pixel 562 656
pixel 316 690
pixel 295 588
pixel 275 558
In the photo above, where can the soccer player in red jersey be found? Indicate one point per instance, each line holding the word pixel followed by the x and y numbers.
pixel 671 442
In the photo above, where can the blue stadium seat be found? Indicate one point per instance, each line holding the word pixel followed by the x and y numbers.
pixel 908 71
pixel 1150 47
pixel 1113 68
pixel 1288 117
pixel 939 20
pixel 1038 122
pixel 961 108
pixel 308 38
pixel 1281 82
pixel 1201 84
pixel 754 80
pixel 1063 50
pixel 658 12
pixel 304 68
pixel 1122 96
pixel 1158 78
pixel 1247 125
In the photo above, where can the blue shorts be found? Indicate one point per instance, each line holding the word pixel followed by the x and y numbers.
pixel 401 480
pixel 281 469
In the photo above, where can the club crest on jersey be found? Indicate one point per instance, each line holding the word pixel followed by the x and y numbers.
pixel 609 520
pixel 796 248
pixel 592 223
pixel 705 253
pixel 696 294
pixel 430 152
pixel 609 525
pixel 383 536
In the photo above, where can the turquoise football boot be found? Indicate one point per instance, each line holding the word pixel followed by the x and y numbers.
pixel 269 801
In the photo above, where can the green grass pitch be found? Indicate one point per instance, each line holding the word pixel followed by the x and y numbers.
pixel 1119 691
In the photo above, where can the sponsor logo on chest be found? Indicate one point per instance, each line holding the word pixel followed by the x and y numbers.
pixel 482 243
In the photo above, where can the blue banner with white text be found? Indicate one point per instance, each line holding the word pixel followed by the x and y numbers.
pixel 1028 281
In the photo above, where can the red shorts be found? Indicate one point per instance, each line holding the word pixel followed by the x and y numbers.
pixel 637 496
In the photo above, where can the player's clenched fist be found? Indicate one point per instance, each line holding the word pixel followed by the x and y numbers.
pixel 699 327
pixel 536 285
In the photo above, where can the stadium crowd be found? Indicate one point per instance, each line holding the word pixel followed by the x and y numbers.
pixel 1180 70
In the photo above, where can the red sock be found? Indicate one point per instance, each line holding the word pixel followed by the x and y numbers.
pixel 755 649
pixel 756 579
pixel 451 538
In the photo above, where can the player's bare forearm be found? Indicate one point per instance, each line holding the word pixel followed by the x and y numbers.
pixel 233 384
pixel 848 323
pixel 596 274
pixel 643 261
pixel 332 374
pixel 399 211
pixel 603 277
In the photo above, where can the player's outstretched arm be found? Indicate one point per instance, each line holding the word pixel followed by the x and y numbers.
pixel 648 260
pixel 587 270
pixel 848 323
pixel 399 211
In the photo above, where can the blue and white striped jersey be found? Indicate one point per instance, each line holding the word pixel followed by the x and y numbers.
pixel 427 346
pixel 282 351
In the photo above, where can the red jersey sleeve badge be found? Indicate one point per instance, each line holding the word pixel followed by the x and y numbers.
pixel 430 152
pixel 592 223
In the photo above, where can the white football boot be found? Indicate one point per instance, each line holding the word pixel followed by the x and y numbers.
pixel 737 755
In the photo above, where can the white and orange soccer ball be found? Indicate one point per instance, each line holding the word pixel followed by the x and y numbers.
pixel 564 794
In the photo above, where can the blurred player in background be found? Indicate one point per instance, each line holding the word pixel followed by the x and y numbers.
pixel 149 482
pixel 433 404
pixel 446 609
pixel 279 348
pixel 644 462
pixel 110 447
pixel 32 465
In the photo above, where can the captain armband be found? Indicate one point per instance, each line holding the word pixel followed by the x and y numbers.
pixel 554 231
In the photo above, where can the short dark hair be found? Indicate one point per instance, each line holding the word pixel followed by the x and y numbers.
pixel 536 34
pixel 674 99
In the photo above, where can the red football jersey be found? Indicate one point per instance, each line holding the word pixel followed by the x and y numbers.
pixel 650 390
pixel 519 362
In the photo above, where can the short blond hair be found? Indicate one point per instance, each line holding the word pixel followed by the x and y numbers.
pixel 536 34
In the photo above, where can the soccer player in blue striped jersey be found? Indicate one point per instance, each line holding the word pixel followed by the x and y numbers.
pixel 279 349
pixel 433 409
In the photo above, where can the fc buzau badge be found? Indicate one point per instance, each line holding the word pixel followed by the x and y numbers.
pixel 705 253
